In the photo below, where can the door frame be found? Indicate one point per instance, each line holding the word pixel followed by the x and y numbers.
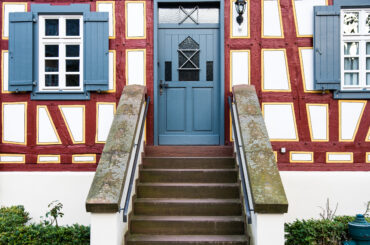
pixel 222 68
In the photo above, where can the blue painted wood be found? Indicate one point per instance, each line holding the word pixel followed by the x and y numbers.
pixel 20 51
pixel 327 47
pixel 189 110
pixel 352 3
pixel 96 41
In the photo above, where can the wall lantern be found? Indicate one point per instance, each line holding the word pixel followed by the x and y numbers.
pixel 240 8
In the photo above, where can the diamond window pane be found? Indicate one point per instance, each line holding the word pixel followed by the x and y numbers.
pixel 51 65
pixel 72 65
pixel 51 80
pixel 350 78
pixel 72 50
pixel 72 80
pixel 351 48
pixel 51 50
pixel 350 63
pixel 350 23
pixel 73 27
pixel 51 27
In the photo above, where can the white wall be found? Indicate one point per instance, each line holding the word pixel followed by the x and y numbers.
pixel 307 191
pixel 35 190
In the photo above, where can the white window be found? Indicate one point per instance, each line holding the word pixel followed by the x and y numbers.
pixel 355 51
pixel 60 53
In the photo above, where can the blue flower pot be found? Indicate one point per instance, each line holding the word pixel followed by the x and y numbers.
pixel 359 230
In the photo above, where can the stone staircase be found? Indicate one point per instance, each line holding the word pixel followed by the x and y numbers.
pixel 187 195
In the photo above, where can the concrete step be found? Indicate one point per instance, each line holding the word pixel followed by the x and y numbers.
pixel 187 207
pixel 188 190
pixel 187 225
pixel 189 162
pixel 188 175
pixel 186 240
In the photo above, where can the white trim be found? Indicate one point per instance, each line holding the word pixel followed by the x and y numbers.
pixel 62 41
pixel 362 37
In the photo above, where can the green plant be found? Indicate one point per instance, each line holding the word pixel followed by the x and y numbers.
pixel 318 232
pixel 55 212
pixel 15 229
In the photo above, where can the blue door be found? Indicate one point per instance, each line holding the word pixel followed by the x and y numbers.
pixel 189 83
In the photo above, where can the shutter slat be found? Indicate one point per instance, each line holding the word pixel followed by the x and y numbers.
pixel 96 51
pixel 20 51
pixel 327 47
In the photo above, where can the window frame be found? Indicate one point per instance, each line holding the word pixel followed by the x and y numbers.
pixel 62 40
pixel 361 38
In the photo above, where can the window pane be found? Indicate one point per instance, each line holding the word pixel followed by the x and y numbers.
pixel 367 48
pixel 72 80
pixel 72 65
pixel 73 27
pixel 350 78
pixel 51 50
pixel 72 50
pixel 51 27
pixel 367 24
pixel 188 60
pixel 367 63
pixel 367 78
pixel 351 48
pixel 350 22
pixel 350 63
pixel 51 80
pixel 51 65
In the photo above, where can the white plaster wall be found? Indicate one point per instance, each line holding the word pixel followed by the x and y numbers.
pixel 242 29
pixel 135 19
pixel 240 67
pixel 271 19
pixel 35 190
pixel 348 189
pixel 108 7
pixel 304 15
pixel 275 75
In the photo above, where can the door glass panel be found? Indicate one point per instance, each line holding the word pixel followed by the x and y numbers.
pixel 188 60
pixel 209 70
pixel 168 71
pixel 188 13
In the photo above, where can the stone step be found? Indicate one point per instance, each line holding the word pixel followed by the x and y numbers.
pixel 187 207
pixel 188 175
pixel 189 162
pixel 186 240
pixel 188 190
pixel 189 151
pixel 187 225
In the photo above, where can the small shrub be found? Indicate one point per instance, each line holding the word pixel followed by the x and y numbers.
pixel 318 232
pixel 15 230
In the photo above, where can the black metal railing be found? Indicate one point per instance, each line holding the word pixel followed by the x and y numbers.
pixel 244 179
pixel 133 170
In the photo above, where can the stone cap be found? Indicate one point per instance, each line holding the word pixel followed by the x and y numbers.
pixel 107 186
pixel 268 192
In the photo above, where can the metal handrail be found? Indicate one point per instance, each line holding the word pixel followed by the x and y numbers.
pixel 239 148
pixel 132 176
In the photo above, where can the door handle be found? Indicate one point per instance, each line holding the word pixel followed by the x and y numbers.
pixel 162 85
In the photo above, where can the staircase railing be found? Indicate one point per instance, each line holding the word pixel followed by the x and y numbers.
pixel 243 177
pixel 134 166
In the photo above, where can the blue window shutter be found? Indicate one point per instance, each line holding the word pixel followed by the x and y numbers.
pixel 20 51
pixel 327 47
pixel 96 51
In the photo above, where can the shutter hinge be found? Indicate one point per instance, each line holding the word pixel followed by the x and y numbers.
pixel 34 83
pixel 318 51
pixel 34 20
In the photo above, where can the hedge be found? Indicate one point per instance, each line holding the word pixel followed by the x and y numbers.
pixel 318 232
pixel 14 229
